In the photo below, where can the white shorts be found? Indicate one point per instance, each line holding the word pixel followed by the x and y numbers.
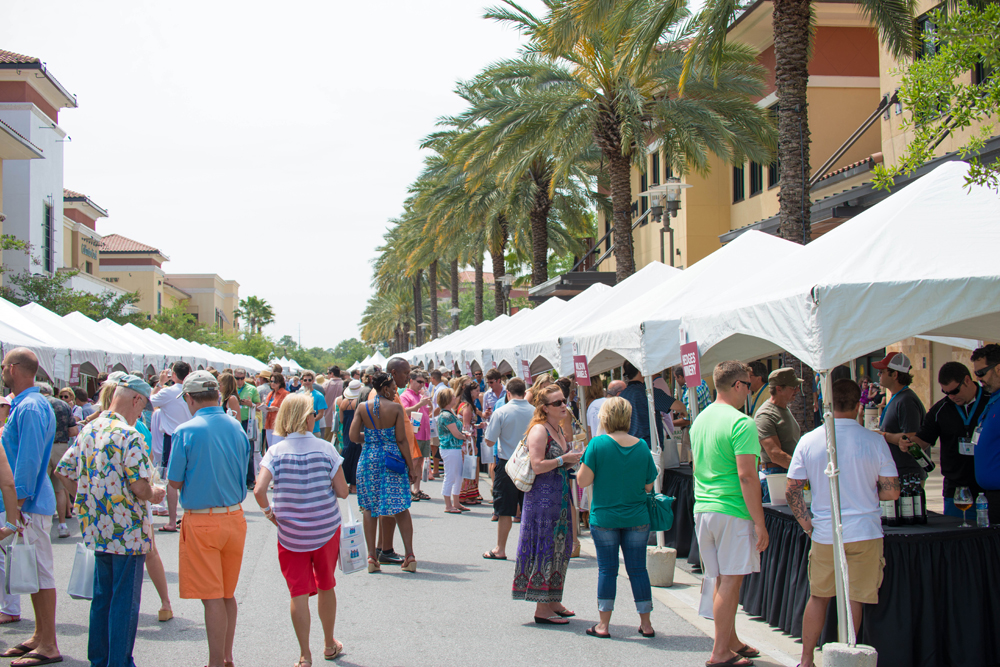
pixel 38 533
pixel 728 544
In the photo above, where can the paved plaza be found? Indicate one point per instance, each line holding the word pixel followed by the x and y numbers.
pixel 455 610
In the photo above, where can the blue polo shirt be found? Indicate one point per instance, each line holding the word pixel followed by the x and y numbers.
pixel 210 454
pixel 27 440
pixel 319 403
pixel 987 449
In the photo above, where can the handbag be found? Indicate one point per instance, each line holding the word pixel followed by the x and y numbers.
pixel 20 569
pixel 392 459
pixel 81 578
pixel 519 467
pixel 661 511
pixel 469 468
pixel 353 550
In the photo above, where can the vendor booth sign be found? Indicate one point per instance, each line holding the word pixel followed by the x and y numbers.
pixel 581 370
pixel 74 374
pixel 691 364
pixel 526 370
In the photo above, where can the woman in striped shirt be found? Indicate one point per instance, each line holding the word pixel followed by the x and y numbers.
pixel 308 479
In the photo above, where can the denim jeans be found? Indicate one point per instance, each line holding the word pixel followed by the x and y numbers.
pixel 114 611
pixel 632 542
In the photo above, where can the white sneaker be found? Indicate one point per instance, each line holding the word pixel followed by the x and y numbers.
pixel 63 530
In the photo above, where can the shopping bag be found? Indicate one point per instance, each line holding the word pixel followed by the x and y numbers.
pixel 519 467
pixel 20 569
pixel 81 579
pixel 705 605
pixel 353 550
pixel 469 468
pixel 661 511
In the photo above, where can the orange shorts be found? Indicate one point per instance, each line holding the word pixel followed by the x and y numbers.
pixel 211 554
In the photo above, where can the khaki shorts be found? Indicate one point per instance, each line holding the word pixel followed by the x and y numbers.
pixel 865 563
pixel 58 450
pixel 728 544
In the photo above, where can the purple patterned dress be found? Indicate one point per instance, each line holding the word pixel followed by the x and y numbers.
pixel 546 539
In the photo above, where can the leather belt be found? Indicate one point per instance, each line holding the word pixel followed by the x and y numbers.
pixel 215 510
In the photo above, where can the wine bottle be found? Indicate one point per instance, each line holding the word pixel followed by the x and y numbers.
pixel 918 453
pixel 885 512
pixel 919 505
pixel 892 513
pixel 906 503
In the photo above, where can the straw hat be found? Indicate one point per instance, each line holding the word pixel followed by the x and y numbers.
pixel 353 390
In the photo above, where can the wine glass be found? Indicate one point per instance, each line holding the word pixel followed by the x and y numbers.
pixel 963 501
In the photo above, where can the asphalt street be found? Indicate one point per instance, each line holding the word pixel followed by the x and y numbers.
pixel 456 609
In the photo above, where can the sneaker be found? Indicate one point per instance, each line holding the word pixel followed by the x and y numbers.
pixel 63 530
pixel 389 557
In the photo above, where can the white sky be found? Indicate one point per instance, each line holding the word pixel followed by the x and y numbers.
pixel 266 142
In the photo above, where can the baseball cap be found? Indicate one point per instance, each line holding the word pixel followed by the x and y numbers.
pixel 136 384
pixel 783 377
pixel 373 369
pixel 894 361
pixel 199 381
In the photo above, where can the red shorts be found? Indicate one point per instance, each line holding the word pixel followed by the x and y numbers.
pixel 307 571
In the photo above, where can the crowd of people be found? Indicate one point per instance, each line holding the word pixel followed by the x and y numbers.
pixel 200 440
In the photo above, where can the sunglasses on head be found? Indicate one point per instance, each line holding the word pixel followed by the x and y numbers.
pixel 981 373
pixel 556 404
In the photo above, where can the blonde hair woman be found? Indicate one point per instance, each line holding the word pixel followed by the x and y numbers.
pixel 546 540
pixel 450 437
pixel 308 478
pixel 622 471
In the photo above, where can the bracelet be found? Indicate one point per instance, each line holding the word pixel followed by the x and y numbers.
pixel 559 460
pixel 11 527
pixel 266 510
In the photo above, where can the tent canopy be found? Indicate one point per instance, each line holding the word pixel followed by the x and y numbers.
pixel 916 263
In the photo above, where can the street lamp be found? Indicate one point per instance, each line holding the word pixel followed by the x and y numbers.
pixel 666 196
pixel 505 282
pixel 423 326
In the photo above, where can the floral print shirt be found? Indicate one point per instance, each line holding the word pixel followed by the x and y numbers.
pixel 108 456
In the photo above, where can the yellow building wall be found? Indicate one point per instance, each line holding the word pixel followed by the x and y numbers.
pixel 148 283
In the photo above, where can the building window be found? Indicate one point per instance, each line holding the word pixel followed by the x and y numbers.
pixel 739 185
pixel 668 171
pixel 159 302
pixel 643 201
pixel 773 174
pixel 756 179
pixel 927 37
pixel 89 268
pixel 982 73
pixel 655 167
pixel 48 240
pixel 607 235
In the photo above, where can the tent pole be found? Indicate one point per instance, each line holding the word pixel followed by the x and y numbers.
pixel 845 625
pixel 654 437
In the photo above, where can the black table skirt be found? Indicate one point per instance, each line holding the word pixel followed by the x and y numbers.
pixel 939 603
pixel 679 483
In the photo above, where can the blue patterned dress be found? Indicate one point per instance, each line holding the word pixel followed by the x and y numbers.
pixel 380 491
pixel 546 540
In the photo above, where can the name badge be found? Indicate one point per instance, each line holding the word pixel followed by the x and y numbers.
pixel 975 435
pixel 966 447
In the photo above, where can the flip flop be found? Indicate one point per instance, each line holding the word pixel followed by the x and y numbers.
pixel 12 619
pixel 165 529
pixel 735 661
pixel 38 659
pixel 338 649
pixel 453 511
pixel 592 631
pixel 748 651
pixel 541 620
pixel 566 613
pixel 20 649
pixel 489 555
pixel 651 633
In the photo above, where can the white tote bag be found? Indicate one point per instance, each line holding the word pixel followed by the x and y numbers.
pixel 81 579
pixel 353 550
pixel 21 569
pixel 707 599
pixel 469 468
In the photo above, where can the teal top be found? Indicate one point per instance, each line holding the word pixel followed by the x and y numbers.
pixel 445 438
pixel 620 478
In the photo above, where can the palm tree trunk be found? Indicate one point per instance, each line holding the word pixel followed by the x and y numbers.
pixel 454 293
pixel 418 307
pixel 608 137
pixel 791 73
pixel 539 218
pixel 499 271
pixel 479 290
pixel 432 277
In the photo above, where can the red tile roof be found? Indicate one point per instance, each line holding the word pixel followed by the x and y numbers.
pixel 70 194
pixel 118 243
pixel 16 58
pixel 871 161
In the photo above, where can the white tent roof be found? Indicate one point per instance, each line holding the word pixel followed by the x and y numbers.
pixel 434 352
pixel 379 359
pixel 919 262
pixel 644 330
pixel 499 343
pixel 17 331
pixel 56 360
pixel 110 354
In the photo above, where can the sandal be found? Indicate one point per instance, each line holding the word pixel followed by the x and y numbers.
pixel 748 651
pixel 17 651
pixel 373 565
pixel 453 511
pixel 337 650
pixel 409 563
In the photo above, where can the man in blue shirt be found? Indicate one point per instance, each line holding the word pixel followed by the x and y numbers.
pixel 319 399
pixel 635 393
pixel 27 440
pixel 208 463
pixel 986 438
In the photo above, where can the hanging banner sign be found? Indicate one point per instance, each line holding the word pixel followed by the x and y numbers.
pixel 526 370
pixel 74 373
pixel 468 368
pixel 691 364
pixel 581 371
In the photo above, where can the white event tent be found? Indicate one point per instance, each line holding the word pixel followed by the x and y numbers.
pixel 498 345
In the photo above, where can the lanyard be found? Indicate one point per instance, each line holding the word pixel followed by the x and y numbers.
pixel 993 399
pixel 966 414
pixel 753 406
pixel 881 422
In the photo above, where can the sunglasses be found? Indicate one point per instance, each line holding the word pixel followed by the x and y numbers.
pixel 420 382
pixel 241 377
pixel 953 392
pixel 742 382
pixel 981 373
pixel 556 404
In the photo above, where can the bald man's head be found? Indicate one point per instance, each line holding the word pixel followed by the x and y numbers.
pixel 399 369
pixel 616 387
pixel 25 360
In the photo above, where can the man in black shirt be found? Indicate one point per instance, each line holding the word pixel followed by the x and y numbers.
pixel 902 415
pixel 635 394
pixel 952 420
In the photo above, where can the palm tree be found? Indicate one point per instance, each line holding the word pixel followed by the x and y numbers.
pixel 257 312
pixel 387 317
pixel 590 89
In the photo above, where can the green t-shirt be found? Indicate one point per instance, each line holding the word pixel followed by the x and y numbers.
pixel 620 477
pixel 248 391
pixel 718 435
